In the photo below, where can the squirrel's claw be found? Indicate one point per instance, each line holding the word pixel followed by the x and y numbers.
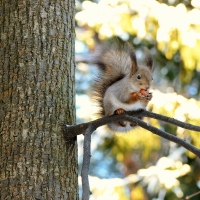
pixel 123 124
pixel 119 111
pixel 149 96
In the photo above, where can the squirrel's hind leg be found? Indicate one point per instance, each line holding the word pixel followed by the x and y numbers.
pixel 117 112
pixel 124 123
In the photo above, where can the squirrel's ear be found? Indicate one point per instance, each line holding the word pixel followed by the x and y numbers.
pixel 134 62
pixel 148 59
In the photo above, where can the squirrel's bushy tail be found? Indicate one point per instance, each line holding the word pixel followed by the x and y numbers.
pixel 114 56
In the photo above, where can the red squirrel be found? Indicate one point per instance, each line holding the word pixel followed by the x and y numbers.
pixel 122 85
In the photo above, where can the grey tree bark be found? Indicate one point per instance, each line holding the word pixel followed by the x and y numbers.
pixel 36 95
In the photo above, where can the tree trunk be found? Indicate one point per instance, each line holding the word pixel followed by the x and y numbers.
pixel 36 95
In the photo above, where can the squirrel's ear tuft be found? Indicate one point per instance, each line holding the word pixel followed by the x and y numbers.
pixel 148 59
pixel 134 62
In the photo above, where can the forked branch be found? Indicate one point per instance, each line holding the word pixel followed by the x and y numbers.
pixel 132 116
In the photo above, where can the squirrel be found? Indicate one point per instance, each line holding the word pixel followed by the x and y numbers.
pixel 122 84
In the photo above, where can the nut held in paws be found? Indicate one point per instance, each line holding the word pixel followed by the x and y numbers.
pixel 144 92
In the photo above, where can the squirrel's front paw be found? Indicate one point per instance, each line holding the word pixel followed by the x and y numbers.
pixel 146 97
pixel 141 96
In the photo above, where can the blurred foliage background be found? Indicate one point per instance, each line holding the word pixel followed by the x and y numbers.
pixel 140 165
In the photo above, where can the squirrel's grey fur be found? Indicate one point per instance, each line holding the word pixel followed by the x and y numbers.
pixel 118 78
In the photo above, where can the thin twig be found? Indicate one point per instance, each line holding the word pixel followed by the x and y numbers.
pixel 176 122
pixel 192 195
pixel 165 135
pixel 86 162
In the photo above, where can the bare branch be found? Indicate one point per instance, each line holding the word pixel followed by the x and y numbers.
pixel 86 162
pixel 74 130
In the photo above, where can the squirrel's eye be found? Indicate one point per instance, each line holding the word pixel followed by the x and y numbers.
pixel 138 77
